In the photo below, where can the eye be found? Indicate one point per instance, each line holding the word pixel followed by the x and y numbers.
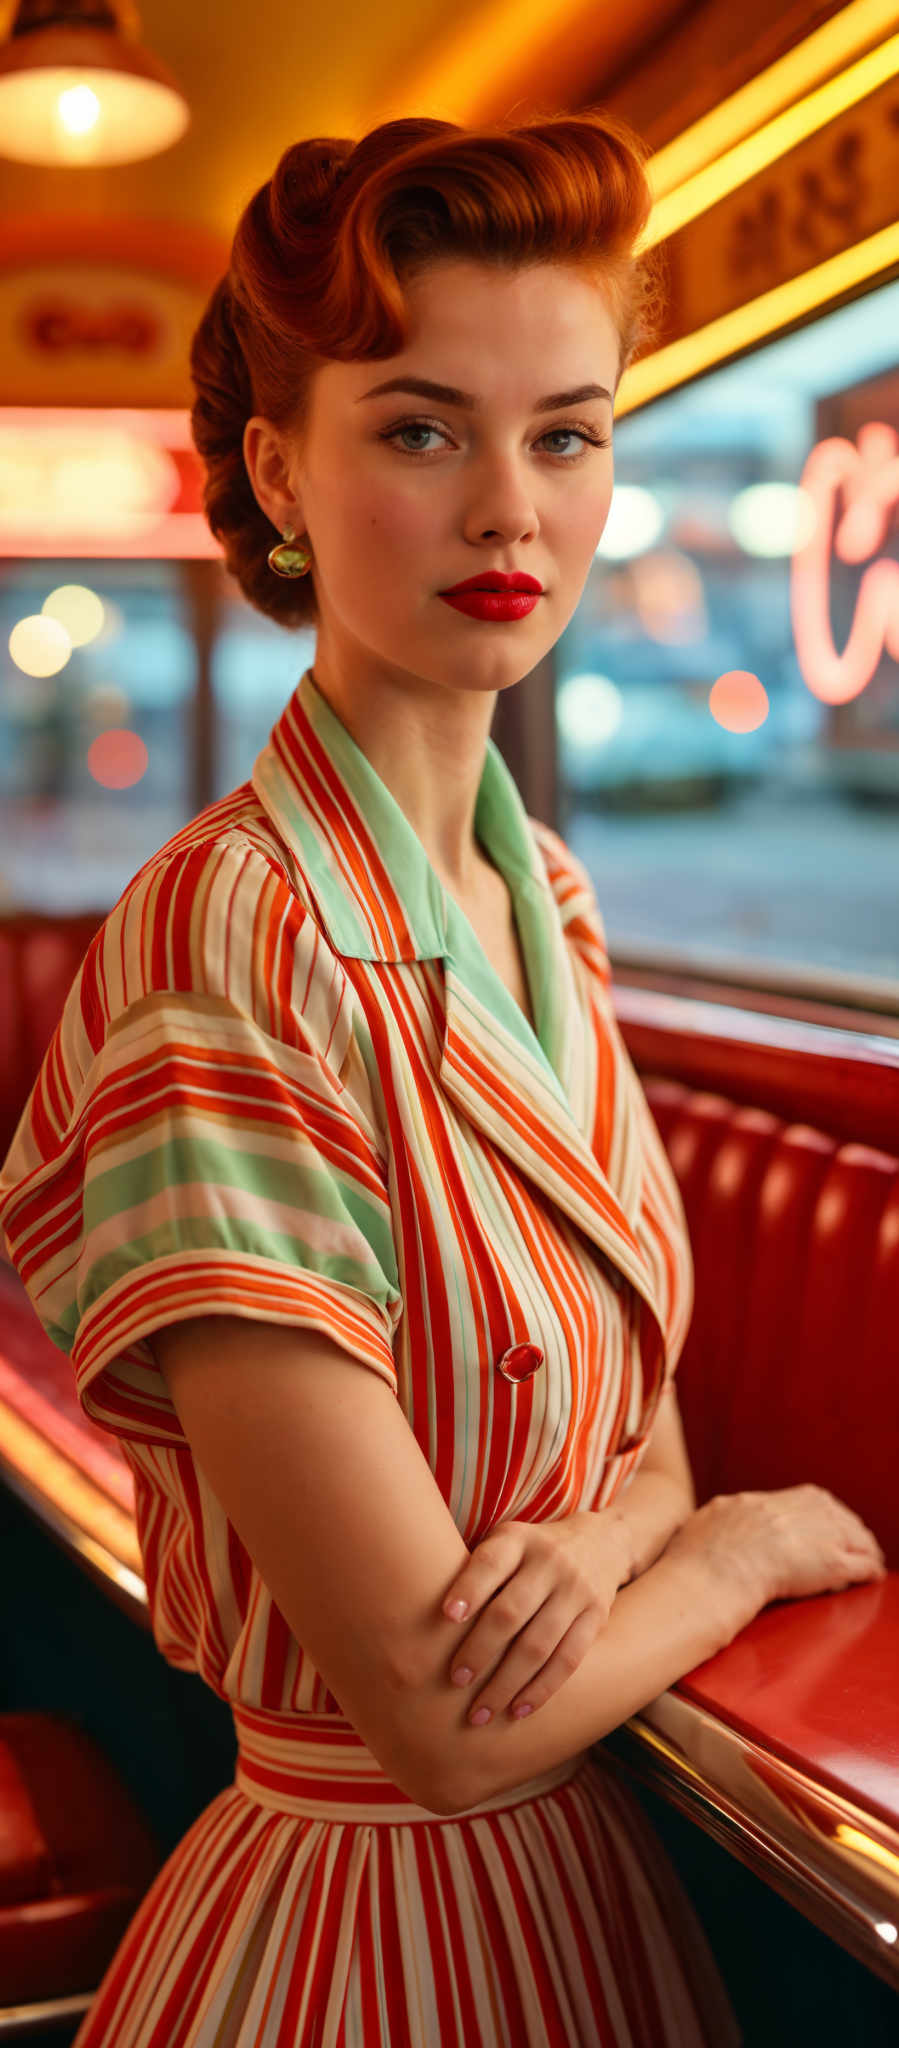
pixel 582 433
pixel 410 427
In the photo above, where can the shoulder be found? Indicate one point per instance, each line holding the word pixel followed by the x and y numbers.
pixel 219 912
pixel 212 948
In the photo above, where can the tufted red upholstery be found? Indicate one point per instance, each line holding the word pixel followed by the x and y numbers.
pixel 76 1857
pixel 789 1371
pixel 39 958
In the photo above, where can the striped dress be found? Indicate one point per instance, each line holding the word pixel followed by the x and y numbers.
pixel 288 1085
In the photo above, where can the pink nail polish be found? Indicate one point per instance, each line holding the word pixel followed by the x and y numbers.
pixel 477 1720
pixel 518 1713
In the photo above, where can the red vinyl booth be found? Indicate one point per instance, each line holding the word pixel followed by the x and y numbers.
pixel 785 1142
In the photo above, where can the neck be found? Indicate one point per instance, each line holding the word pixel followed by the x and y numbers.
pixel 428 745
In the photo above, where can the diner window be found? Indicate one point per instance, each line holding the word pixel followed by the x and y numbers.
pixel 97 697
pixel 727 692
pixel 256 665
pixel 158 709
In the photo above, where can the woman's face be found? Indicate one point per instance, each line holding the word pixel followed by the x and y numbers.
pixel 403 494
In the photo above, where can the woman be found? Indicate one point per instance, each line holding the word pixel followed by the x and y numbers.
pixel 340 1086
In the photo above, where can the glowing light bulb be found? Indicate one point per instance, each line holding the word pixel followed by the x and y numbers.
pixel 78 109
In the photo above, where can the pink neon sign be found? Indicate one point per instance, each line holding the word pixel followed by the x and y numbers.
pixel 868 476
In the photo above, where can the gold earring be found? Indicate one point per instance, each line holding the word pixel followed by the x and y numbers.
pixel 288 560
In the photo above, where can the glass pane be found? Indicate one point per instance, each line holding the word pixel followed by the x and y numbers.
pixel 752 826
pixel 95 758
pixel 256 665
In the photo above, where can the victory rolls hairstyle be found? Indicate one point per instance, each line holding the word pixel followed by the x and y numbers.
pixel 322 251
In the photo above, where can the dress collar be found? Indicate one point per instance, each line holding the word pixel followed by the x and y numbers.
pixel 376 892
pixel 564 1103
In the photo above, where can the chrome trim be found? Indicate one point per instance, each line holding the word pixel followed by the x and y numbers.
pixel 833 1860
pixel 666 1010
pixel 18 2021
pixel 869 992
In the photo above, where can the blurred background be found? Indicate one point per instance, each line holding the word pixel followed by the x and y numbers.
pixel 717 733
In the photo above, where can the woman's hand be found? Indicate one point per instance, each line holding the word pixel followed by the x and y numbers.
pixel 540 1592
pixel 782 1545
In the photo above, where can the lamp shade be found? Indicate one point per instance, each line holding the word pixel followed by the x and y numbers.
pixel 77 88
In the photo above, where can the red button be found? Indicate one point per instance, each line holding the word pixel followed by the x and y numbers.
pixel 520 1363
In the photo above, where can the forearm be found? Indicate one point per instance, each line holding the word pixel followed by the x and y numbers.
pixel 643 1519
pixel 676 1614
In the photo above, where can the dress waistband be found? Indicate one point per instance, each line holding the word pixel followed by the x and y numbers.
pixel 316 1766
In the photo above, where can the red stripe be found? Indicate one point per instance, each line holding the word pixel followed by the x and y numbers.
pixel 344 826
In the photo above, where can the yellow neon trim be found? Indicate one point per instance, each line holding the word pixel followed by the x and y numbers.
pixel 464 73
pixel 758 151
pixel 749 324
pixel 830 49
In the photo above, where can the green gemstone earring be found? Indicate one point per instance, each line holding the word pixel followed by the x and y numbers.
pixel 288 560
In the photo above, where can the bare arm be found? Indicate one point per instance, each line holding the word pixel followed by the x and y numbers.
pixel 660 1495
pixel 315 1465
pixel 674 1616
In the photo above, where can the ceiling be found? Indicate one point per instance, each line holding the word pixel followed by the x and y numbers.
pixel 258 77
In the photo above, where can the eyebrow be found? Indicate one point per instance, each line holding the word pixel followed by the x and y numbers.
pixel 424 388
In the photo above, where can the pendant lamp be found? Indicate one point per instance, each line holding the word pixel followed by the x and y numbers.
pixel 77 87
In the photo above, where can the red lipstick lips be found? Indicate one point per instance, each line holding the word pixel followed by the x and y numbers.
pixel 493 579
pixel 494 596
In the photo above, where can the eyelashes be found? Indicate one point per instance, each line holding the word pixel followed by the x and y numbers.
pixel 581 432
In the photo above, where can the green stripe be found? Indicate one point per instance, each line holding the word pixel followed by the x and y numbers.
pixel 186 1234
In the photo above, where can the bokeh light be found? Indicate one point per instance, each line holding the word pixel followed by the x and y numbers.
pixel 108 705
pixel 117 758
pixel 113 624
pixel 669 599
pixel 78 609
pixel 39 646
pixel 636 519
pixel 738 701
pixel 772 520
pixel 588 710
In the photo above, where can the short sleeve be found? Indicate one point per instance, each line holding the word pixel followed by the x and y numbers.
pixel 198 1140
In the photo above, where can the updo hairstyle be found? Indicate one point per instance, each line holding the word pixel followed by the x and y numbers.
pixel 321 254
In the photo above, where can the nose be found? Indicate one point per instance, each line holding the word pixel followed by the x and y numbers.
pixel 502 505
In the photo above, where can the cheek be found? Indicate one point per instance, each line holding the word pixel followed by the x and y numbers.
pixel 384 517
pixel 585 521
pixel 377 546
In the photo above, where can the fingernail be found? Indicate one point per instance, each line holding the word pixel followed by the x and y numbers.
pixel 477 1720
pixel 520 1711
pixel 457 1610
pixel 462 1676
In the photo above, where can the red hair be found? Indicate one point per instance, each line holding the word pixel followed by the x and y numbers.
pixel 322 252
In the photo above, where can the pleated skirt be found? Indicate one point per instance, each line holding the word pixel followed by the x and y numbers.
pixel 312 1905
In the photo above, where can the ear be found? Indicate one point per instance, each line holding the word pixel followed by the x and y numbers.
pixel 267 458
